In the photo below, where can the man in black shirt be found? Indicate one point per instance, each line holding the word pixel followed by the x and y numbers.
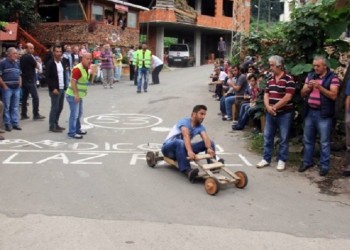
pixel 28 65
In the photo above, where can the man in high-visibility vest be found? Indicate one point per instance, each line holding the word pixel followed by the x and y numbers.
pixel 143 62
pixel 75 93
pixel 135 53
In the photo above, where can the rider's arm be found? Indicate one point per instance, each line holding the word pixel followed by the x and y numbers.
pixel 187 140
pixel 207 143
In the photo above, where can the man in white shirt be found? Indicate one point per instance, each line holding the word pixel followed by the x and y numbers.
pixel 55 77
pixel 157 65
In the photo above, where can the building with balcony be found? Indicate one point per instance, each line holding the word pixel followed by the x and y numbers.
pixel 199 23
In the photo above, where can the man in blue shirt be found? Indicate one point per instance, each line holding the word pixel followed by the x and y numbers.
pixel 10 82
pixel 347 129
pixel 178 146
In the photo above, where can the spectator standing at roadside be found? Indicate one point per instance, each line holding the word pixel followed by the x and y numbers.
pixel 157 65
pixel 11 82
pixel 118 58
pixel 76 91
pixel 278 96
pixel 320 91
pixel 135 54
pixel 221 48
pixel 347 129
pixel 107 66
pixel 68 62
pixel 1 117
pixel 56 82
pixel 144 57
pixel 28 66
pixel 131 60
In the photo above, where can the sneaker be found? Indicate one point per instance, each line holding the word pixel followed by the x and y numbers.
pixel 281 165
pixel 145 90
pixel 138 92
pixel 111 86
pixel 236 127
pixel 262 164
pixel 76 136
pixel 192 174
pixel 82 132
pixel 1 138
pixel 227 118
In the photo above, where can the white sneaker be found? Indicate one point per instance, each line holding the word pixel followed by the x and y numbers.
pixel 262 164
pixel 281 165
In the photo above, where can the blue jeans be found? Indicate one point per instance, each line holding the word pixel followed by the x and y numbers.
pixel 57 102
pixel 76 111
pixel 283 123
pixel 117 72
pixel 243 115
pixel 229 101
pixel 142 73
pixel 176 150
pixel 315 124
pixel 11 104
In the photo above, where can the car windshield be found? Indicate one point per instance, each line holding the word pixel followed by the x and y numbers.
pixel 178 47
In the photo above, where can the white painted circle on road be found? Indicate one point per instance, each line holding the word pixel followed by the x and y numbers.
pixel 123 121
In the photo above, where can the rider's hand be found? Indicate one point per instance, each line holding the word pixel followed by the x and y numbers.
pixel 211 152
pixel 191 155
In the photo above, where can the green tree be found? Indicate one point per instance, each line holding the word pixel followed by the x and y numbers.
pixel 22 11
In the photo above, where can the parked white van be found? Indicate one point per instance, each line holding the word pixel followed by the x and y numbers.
pixel 179 54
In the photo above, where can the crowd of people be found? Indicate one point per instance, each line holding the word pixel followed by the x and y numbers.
pixel 68 71
pixel 238 86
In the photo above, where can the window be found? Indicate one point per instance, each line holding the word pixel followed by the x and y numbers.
pixel 71 11
pixel 97 13
pixel 132 20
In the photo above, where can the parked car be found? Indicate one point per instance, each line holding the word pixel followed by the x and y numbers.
pixel 179 54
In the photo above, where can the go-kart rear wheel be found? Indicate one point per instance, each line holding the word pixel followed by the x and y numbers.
pixel 211 186
pixel 151 159
pixel 243 179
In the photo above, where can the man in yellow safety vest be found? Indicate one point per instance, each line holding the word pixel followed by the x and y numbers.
pixel 143 62
pixel 76 91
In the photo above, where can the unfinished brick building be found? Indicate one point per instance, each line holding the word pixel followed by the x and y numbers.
pixel 199 23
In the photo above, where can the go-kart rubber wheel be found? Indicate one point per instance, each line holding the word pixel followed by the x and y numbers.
pixel 243 179
pixel 151 159
pixel 211 186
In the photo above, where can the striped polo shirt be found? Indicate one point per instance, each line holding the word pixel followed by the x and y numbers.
pixel 314 100
pixel 108 62
pixel 277 90
pixel 10 73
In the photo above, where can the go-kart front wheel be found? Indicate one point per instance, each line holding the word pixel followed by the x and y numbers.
pixel 151 159
pixel 243 179
pixel 211 186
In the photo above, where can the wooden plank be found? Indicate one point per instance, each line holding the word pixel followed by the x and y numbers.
pixel 202 157
pixel 181 12
pixel 212 165
pixel 170 161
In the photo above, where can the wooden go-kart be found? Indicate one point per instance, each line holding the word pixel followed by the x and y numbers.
pixel 214 173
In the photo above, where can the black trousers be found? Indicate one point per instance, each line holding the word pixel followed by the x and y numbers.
pixel 57 102
pixel 155 74
pixel 30 88
pixel 132 71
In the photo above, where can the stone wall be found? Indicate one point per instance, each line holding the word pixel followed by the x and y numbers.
pixel 77 33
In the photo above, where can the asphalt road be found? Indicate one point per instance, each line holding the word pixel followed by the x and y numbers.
pixel 99 193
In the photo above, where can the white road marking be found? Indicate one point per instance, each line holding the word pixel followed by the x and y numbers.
pixel 160 129
pixel 245 160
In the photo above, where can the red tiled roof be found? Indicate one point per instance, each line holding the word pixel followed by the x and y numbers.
pixel 10 34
